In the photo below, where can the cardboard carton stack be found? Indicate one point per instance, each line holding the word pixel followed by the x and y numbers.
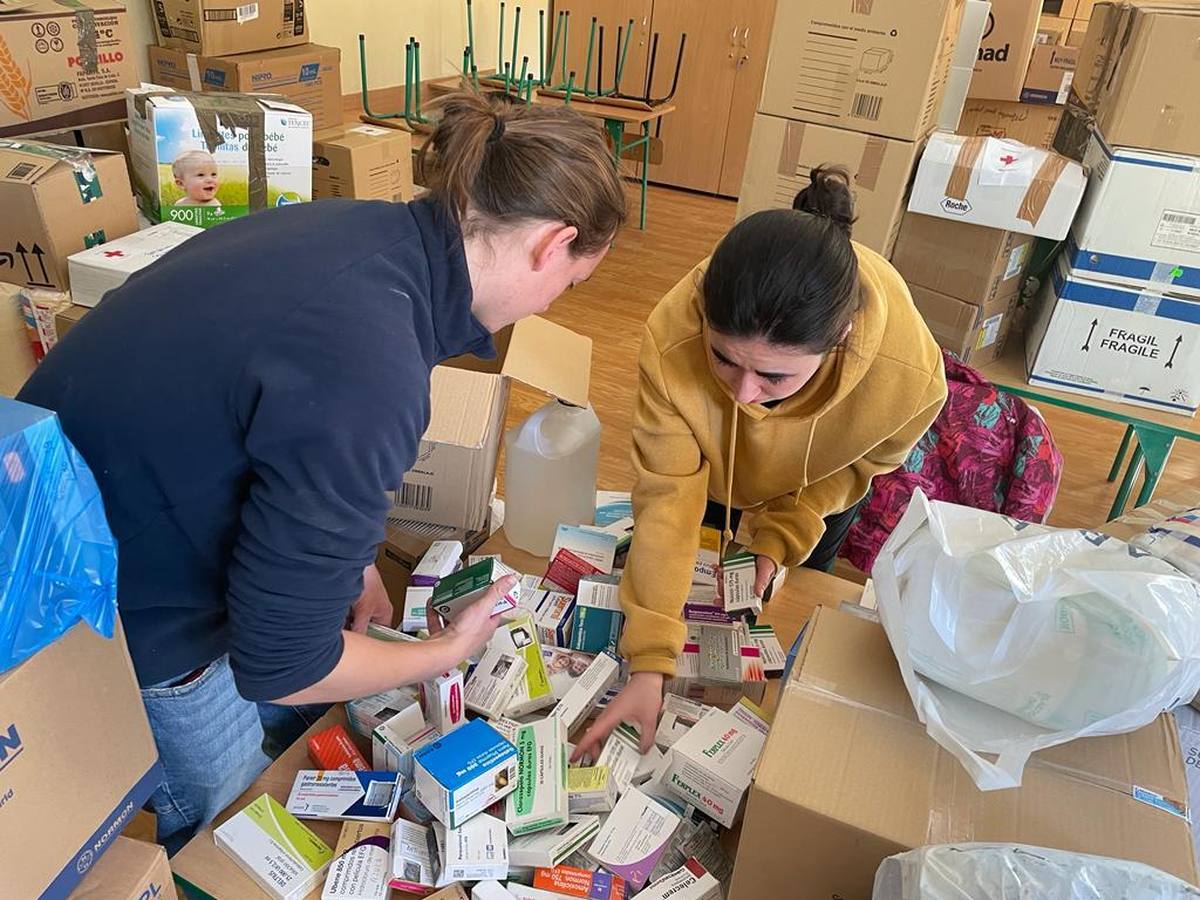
pixel 1120 315
pixel 854 84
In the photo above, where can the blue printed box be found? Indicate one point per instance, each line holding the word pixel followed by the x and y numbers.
pixel 464 772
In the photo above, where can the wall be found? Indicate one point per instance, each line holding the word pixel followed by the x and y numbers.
pixel 440 26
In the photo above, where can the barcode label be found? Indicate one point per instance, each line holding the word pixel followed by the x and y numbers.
pixel 1181 220
pixel 247 12
pixel 1177 229
pixel 22 170
pixel 379 793
pixel 220 15
pixel 186 34
pixel 866 106
pixel 415 496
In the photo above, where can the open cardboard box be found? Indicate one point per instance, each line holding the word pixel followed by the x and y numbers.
pixel 451 482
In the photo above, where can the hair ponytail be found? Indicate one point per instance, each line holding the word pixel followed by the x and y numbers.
pixel 789 276
pixel 493 163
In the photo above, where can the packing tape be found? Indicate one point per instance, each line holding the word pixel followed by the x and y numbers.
pixel 1037 195
pixel 861 7
pixel 789 152
pixel 870 164
pixel 193 68
pixel 85 40
pixel 1163 273
pixel 1147 304
pixel 964 162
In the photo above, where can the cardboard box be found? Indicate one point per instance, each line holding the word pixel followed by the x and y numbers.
pixel 41 849
pixel 213 28
pixel 361 863
pixel 1050 74
pixel 878 67
pixel 308 75
pixel 191 166
pixel 66 319
pixel 633 837
pixel 997 183
pixel 783 153
pixel 849 774
pixel 464 772
pixel 1052 29
pixel 130 870
pixel 1078 35
pixel 1130 74
pixel 548 848
pixel 1030 123
pixel 365 162
pixel 1005 50
pixel 1133 345
pixel 1140 219
pixel 58 201
pixel 65 66
pixel 975 333
pixel 404 545
pixel 1062 8
pixel 337 795
pixel 474 851
pixel 98 270
pixel 962 64
pixel 541 798
pixel 277 851
pixel 969 262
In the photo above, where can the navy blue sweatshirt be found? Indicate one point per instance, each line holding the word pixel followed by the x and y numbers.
pixel 245 403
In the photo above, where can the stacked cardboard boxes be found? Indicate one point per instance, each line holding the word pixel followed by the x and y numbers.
pixel 858 85
pixel 1120 316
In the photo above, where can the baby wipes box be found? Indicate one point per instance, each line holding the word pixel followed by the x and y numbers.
pixel 203 159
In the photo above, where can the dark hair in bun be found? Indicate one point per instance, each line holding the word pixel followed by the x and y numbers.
pixel 789 276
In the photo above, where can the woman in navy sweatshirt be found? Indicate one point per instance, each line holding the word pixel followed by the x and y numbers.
pixel 247 402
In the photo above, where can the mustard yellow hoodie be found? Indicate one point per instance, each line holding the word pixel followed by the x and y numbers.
pixel 788 466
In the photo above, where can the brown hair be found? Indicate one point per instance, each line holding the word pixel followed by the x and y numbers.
pixel 492 162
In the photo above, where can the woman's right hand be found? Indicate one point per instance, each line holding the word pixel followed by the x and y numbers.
pixel 472 628
pixel 638 703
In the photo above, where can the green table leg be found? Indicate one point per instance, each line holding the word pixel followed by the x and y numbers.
pixel 1121 451
pixel 645 169
pixel 1122 498
pixel 1156 446
pixel 616 131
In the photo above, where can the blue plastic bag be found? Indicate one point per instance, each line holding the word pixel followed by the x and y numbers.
pixel 58 558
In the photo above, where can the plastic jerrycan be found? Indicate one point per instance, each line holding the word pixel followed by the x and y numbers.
pixel 550 474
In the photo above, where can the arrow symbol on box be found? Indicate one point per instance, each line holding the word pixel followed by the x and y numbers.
pixel 1171 362
pixel 21 251
pixel 1087 345
pixel 38 252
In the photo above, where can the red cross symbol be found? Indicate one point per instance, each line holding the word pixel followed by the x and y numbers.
pixel 1008 160
pixel 111 253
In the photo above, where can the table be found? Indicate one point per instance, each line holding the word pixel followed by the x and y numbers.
pixel 203 872
pixel 1155 430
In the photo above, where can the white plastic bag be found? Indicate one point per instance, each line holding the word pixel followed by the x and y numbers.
pixel 1017 872
pixel 1014 637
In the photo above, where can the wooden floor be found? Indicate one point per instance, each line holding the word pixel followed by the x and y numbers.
pixel 682 229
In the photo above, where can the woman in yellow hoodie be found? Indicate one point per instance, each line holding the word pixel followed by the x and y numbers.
pixel 777 378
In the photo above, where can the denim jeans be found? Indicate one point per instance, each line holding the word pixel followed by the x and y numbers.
pixel 213 744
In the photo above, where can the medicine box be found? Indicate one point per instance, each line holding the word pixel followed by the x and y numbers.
pixel 493 681
pixel 441 559
pixel 591 789
pixel 738 573
pixel 586 692
pixel 455 592
pixel 361 863
pixel 368 713
pixel 333 749
pixel 554 619
pixel 464 772
pixel 622 756
pixel 99 269
pixel 416 599
pixel 477 850
pixel 540 800
pixel 679 714
pixel 551 846
pixel 690 882
pixel 570 881
pixel 392 750
pixel 534 691
pixel 339 794
pixel 413 849
pixel 633 837
pixel 711 766
pixel 273 848
pixel 442 700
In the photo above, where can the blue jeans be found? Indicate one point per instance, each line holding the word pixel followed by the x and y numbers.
pixel 213 744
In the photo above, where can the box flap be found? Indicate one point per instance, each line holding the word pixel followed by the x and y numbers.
pixel 550 358
pixel 461 404
pixel 23 162
pixel 846 745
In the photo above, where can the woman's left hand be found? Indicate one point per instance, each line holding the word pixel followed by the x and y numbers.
pixel 764 571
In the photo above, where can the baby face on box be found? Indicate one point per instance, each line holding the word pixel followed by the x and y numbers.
pixel 196 175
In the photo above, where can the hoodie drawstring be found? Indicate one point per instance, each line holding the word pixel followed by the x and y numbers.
pixel 727 534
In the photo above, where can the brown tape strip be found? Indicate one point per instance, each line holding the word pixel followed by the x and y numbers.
pixel 861 7
pixel 870 164
pixel 789 153
pixel 1037 195
pixel 85 31
pixel 960 174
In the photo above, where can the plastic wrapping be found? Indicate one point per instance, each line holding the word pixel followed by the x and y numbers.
pixel 58 559
pixel 1016 872
pixel 1175 539
pixel 1014 637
